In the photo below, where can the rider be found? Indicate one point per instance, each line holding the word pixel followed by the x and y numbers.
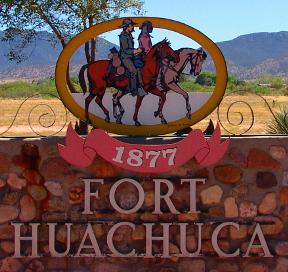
pixel 145 37
pixel 145 44
pixel 127 53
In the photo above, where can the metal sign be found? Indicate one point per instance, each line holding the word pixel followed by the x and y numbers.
pixel 141 104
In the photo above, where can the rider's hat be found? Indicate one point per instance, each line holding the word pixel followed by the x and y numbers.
pixel 146 23
pixel 127 22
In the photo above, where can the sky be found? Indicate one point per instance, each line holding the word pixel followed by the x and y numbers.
pixel 219 20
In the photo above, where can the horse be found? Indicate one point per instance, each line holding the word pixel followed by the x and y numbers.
pixel 98 78
pixel 171 72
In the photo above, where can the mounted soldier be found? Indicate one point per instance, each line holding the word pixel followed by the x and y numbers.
pixel 127 53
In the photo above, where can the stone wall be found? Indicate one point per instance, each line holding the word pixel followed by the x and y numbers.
pixel 250 183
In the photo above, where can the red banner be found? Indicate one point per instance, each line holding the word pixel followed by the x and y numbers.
pixel 143 158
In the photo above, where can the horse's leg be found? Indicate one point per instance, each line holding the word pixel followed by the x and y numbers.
pixel 116 102
pixel 99 100
pixel 121 109
pixel 162 100
pixel 137 106
pixel 174 86
pixel 88 99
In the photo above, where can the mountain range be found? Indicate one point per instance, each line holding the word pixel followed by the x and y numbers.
pixel 251 55
pixel 247 57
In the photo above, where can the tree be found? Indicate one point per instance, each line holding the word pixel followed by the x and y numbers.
pixel 277 83
pixel 206 78
pixel 265 79
pixel 234 80
pixel 24 19
pixel 209 79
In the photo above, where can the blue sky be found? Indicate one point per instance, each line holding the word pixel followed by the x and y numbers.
pixel 220 20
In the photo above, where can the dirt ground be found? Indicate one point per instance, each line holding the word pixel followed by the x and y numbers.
pixel 46 117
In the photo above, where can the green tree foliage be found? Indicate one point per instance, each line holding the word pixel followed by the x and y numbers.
pixel 234 80
pixel 265 79
pixel 277 83
pixel 183 78
pixel 209 79
pixel 22 89
pixel 206 78
pixel 22 20
pixel 274 81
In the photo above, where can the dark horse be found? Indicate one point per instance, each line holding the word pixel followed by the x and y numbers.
pixel 98 78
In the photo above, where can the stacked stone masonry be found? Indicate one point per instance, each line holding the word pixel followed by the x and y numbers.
pixel 250 183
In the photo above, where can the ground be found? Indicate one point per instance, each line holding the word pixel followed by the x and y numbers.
pixel 33 113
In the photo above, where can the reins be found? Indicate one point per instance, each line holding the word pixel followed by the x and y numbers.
pixel 194 66
pixel 159 63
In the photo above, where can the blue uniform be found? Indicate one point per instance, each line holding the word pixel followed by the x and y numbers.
pixel 127 56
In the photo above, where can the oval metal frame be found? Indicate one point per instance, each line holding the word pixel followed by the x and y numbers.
pixel 144 130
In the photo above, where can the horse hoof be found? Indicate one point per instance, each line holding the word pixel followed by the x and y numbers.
pixel 163 121
pixel 107 119
pixel 119 122
pixel 137 123
pixel 156 113
pixel 188 115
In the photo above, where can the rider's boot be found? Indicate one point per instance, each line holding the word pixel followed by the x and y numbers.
pixel 140 80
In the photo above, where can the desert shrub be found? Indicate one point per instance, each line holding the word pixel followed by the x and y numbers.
pixel 264 90
pixel 284 91
pixel 22 89
pixel 183 78
pixel 265 79
pixel 231 86
pixel 277 83
pixel 206 78
pixel 279 124
pixel 190 86
pixel 233 80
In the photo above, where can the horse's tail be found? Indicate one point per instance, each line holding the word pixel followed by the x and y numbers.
pixel 81 77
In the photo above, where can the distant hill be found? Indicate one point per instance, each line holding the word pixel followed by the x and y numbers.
pixel 251 55
pixel 247 56
pixel 42 58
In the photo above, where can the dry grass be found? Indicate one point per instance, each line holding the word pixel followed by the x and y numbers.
pixel 45 117
pixel 37 108
pixel 244 111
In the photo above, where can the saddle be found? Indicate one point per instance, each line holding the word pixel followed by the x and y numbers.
pixel 116 68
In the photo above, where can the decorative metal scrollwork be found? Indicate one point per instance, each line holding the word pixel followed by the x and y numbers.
pixel 42 118
pixel 243 121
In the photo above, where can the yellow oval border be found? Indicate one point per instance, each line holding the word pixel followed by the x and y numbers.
pixel 144 130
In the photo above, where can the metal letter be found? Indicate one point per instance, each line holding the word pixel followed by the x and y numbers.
pixel 215 242
pixel 114 203
pixel 87 194
pixel 262 245
pixel 33 238
pixel 183 240
pixel 150 238
pixel 166 197
pixel 52 250
pixel 110 239
pixel 94 245
pixel 193 192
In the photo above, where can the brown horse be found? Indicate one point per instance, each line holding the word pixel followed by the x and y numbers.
pixel 98 78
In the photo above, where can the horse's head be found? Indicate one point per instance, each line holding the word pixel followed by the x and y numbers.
pixel 166 52
pixel 197 61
